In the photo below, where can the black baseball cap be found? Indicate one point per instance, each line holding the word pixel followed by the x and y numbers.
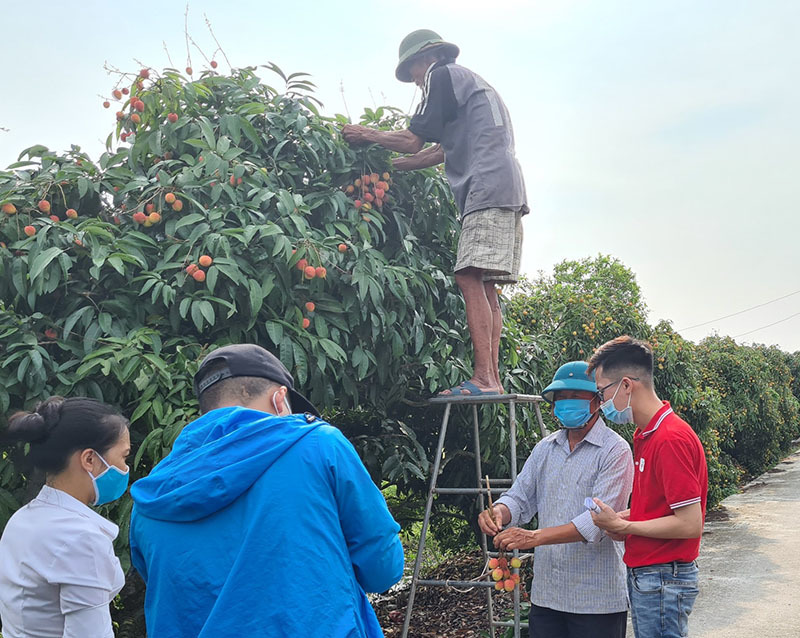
pixel 250 360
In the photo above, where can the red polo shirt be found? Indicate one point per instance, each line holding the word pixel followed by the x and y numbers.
pixel 669 472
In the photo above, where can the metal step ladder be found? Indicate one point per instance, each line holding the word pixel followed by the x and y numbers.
pixel 449 401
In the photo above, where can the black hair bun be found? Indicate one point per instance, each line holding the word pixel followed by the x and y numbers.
pixel 28 427
pixel 50 409
pixel 32 427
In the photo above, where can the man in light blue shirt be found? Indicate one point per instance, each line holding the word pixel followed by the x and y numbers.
pixel 579 586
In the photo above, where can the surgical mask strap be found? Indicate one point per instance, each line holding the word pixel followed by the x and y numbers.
pixel 275 404
pixel 617 390
pixel 99 456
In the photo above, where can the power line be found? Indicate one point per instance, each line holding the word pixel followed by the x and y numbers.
pixel 733 314
pixel 797 314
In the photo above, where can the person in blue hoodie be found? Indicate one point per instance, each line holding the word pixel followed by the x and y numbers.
pixel 262 520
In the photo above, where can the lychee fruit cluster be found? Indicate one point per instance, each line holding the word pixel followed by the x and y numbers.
pixel 196 271
pixel 309 271
pixel 368 191
pixel 501 573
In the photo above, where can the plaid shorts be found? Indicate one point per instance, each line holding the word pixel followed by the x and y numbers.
pixel 491 239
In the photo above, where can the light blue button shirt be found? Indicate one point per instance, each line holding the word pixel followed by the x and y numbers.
pixel 587 577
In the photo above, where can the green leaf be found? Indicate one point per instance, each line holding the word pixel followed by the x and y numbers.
pixel 83 187
pixel 208 131
pixel 231 272
pixel 75 317
pixel 184 307
pixel 223 145
pixel 208 311
pixel 301 364
pixel 282 245
pixel 19 276
pixel 23 369
pixel 320 327
pixel 90 337
pixel 36 360
pixel 104 319
pixel 256 297
pixel 116 264
pixel 333 350
pixel 148 440
pixel 188 220
pixel 211 278
pixel 42 260
pixel 287 352
pixel 231 125
pixel 197 315
pixel 419 337
pixel 250 132
pixel 275 331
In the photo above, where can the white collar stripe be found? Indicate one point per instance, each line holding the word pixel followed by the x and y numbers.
pixel 426 87
pixel 660 419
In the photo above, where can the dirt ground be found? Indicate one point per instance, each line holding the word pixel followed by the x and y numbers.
pixel 441 612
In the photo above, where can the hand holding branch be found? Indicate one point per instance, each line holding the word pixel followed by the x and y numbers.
pixel 355 134
pixel 516 538
pixel 491 521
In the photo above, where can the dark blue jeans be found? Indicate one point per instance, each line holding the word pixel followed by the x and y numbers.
pixel 662 597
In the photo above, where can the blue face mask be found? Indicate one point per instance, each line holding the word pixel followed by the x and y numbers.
pixel 620 417
pixel 110 484
pixel 573 413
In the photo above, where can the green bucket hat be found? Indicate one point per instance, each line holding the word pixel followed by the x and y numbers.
pixel 570 376
pixel 414 43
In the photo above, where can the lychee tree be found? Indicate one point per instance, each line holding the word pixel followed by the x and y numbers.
pixel 221 213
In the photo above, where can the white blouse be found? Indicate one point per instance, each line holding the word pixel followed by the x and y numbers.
pixel 58 570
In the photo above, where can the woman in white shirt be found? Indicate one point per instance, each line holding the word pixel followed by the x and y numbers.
pixel 58 570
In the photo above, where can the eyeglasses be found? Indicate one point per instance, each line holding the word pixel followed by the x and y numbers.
pixel 606 387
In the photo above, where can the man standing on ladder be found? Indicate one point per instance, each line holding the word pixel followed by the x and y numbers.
pixel 579 585
pixel 472 134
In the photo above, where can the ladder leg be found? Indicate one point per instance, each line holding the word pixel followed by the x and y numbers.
pixel 539 418
pixel 512 417
pixel 512 425
pixel 434 476
pixel 481 501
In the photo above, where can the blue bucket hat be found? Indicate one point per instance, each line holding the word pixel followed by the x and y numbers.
pixel 570 376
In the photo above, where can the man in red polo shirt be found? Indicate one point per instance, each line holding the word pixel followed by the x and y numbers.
pixel 663 527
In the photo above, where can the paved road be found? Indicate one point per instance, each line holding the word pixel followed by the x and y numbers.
pixel 750 561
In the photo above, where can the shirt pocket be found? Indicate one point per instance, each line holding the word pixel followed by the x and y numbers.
pixel 584 483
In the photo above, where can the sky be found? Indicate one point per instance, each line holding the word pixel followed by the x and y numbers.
pixel 662 132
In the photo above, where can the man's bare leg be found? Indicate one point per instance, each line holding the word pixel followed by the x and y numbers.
pixel 480 320
pixel 497 329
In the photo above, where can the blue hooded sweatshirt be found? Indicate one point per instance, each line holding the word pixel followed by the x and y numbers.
pixel 262 525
